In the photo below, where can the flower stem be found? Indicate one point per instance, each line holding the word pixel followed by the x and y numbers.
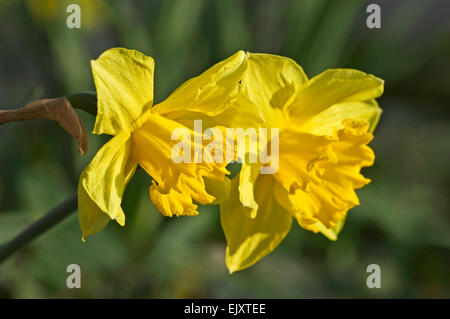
pixel 39 227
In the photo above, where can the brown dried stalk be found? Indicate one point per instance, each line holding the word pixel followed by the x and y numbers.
pixel 59 110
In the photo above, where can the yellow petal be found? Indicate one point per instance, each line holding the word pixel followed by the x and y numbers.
pixel 209 93
pixel 250 239
pixel 124 82
pixel 175 185
pixel 102 184
pixel 220 190
pixel 333 232
pixel 247 179
pixel 332 87
pixel 330 120
pixel 320 188
pixel 271 82
pixel 92 219
pixel 250 169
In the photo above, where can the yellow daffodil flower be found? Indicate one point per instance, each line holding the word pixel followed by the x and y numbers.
pixel 325 124
pixel 142 135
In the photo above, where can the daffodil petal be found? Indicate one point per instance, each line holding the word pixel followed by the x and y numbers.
pixel 250 239
pixel 331 87
pixel 331 120
pixel 124 82
pixel 333 232
pixel 247 179
pixel 92 219
pixel 209 93
pixel 271 82
pixel 220 190
pixel 250 170
pixel 103 182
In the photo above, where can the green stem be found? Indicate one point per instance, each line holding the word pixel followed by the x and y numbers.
pixel 86 101
pixel 39 227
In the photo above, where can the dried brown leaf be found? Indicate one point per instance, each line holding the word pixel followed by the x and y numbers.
pixel 59 110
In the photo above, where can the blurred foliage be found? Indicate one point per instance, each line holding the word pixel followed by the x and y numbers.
pixel 402 223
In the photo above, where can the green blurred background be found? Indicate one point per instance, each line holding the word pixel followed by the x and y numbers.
pixel 402 223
